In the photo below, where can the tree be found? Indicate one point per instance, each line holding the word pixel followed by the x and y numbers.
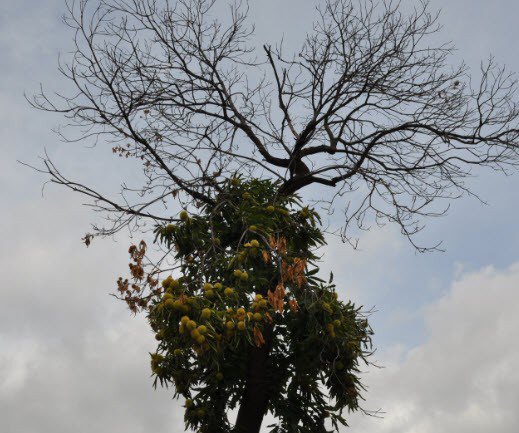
pixel 369 109
pixel 248 320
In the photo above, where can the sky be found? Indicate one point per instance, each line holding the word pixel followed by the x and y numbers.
pixel 73 359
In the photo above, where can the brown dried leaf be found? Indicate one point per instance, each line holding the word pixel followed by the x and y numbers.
pixel 282 245
pixel 87 239
pixel 299 268
pixel 276 297
pixel 258 337
pixel 294 307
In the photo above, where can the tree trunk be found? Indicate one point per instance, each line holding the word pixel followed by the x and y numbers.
pixel 254 405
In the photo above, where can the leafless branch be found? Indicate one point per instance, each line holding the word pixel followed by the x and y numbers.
pixel 368 105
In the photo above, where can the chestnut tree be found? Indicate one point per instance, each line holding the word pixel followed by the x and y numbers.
pixel 370 109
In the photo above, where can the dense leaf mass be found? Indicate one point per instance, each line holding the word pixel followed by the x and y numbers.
pixel 247 275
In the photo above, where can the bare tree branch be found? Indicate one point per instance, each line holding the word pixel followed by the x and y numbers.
pixel 367 106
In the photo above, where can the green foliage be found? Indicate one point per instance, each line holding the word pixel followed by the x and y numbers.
pixel 248 263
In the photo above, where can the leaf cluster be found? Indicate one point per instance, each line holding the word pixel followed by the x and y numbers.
pixel 248 274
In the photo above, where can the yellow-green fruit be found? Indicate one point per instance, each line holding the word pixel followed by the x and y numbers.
pixel 254 306
pixel 327 307
pixel 228 291
pixel 337 323
pixel 208 286
pixel 219 376
pixel 202 329
pixel 247 245
pixel 263 303
pixel 254 243
pixel 192 301
pixel 184 320
pixel 246 196
pixel 184 216
pixel 258 317
pixel 241 325
pixel 237 273
pixel 170 303
pixel 244 276
pixel 258 297
pixel 229 325
pixel 335 295
pixel 167 296
pixel 156 359
pixel 189 403
pixel 240 311
pixel 170 228
pixel 200 339
pixel 195 334
pixel 200 413
pixel 191 325
pixel 271 208
pixel 181 329
pixel 177 352
pixel 253 228
pixel 206 313
pixel 235 181
pixel 209 294
pixel 159 335
pixel 174 285
pixel 177 305
pixel 218 286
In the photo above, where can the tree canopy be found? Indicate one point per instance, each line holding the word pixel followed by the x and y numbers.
pixel 247 282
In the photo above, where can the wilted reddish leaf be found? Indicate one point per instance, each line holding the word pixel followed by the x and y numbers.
pixel 282 245
pixel 299 271
pixel 258 337
pixel 276 297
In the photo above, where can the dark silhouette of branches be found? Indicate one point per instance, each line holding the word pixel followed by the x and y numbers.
pixel 368 105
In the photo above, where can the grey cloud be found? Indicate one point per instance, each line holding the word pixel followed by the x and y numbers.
pixel 463 378
pixel 72 359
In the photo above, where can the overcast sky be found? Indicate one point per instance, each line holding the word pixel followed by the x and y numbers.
pixel 73 360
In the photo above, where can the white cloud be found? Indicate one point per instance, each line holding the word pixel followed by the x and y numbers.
pixel 363 274
pixel 464 378
pixel 71 358
pixel 74 360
